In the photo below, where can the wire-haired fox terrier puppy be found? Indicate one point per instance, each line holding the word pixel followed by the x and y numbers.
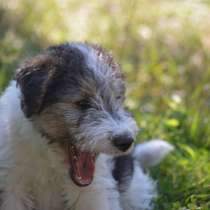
pixel 66 141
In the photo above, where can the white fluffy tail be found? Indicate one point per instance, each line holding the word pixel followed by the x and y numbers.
pixel 152 152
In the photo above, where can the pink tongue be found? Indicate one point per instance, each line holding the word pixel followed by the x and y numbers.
pixel 82 166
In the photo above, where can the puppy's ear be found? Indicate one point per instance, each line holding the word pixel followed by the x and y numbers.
pixel 33 78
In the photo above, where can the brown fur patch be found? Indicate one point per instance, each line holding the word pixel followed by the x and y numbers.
pixel 51 122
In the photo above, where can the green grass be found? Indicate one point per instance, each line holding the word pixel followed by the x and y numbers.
pixel 163 47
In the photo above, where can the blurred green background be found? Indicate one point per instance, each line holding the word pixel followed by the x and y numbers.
pixel 164 50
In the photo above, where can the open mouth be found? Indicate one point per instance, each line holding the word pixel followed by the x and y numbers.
pixel 81 165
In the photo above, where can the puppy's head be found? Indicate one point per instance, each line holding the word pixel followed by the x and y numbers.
pixel 74 93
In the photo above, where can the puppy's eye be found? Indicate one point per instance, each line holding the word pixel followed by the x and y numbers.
pixel 83 104
pixel 119 98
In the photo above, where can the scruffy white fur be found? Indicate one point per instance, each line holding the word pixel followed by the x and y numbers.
pixel 31 171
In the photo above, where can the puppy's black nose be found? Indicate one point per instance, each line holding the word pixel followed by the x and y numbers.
pixel 123 142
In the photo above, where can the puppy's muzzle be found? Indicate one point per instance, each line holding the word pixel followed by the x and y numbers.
pixel 123 142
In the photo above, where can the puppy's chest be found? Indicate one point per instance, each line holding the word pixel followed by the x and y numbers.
pixel 53 189
pixel 45 184
pixel 48 187
pixel 40 177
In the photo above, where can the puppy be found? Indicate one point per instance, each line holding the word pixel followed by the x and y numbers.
pixel 66 141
